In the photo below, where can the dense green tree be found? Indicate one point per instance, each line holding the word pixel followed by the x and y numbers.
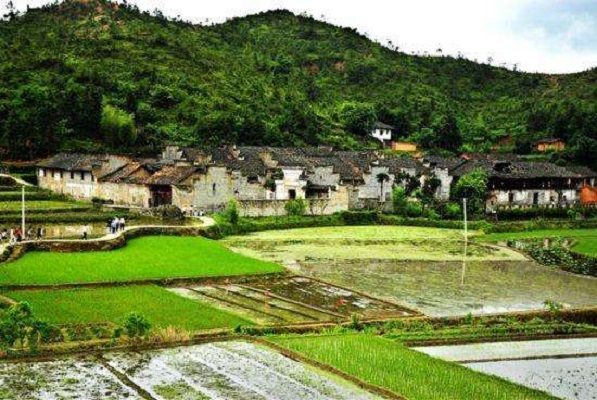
pixel 117 127
pixel 273 78
pixel 473 187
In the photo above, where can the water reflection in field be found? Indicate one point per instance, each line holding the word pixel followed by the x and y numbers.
pixel 435 288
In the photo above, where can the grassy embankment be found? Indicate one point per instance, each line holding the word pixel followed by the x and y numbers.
pixel 586 239
pixel 416 376
pixel 157 257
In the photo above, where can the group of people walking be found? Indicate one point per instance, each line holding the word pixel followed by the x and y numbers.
pixel 16 235
pixel 115 225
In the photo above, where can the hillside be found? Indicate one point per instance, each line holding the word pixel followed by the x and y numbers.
pixel 90 75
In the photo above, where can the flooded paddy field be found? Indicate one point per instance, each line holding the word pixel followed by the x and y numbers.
pixel 566 378
pixel 62 379
pixel 420 268
pixel 569 375
pixel 513 350
pixel 226 370
pixel 435 288
pixel 292 300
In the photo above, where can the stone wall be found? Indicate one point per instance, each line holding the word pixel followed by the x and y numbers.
pixel 443 191
pixel 79 185
pixel 292 181
pixel 371 189
pixel 125 194
pixel 526 197
pixel 213 190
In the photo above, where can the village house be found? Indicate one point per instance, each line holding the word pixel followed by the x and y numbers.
pixel 77 175
pixel 263 179
pixel 516 183
pixel 407 147
pixel 383 133
pixel 550 144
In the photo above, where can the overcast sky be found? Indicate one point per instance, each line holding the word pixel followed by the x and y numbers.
pixel 538 35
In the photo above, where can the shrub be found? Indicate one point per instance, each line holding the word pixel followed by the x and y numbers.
pixel 414 209
pixel 453 211
pixel 231 212
pixel 432 215
pixel 520 214
pixel 399 200
pixel 296 207
pixel 136 325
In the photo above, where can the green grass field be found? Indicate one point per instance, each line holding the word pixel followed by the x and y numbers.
pixel 373 232
pixel 414 375
pixel 161 307
pixel 586 239
pixel 42 205
pixel 586 246
pixel 364 242
pixel 154 257
pixel 565 233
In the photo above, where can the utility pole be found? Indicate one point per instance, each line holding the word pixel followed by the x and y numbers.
pixel 465 241
pixel 23 209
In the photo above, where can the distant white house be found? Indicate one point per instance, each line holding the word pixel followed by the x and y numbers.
pixel 383 132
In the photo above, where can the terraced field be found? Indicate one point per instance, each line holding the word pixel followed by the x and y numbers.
pixel 152 257
pixel 112 304
pixel 425 277
pixel 227 370
pixel 294 300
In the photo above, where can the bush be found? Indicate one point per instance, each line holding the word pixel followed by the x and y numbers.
pixel 231 212
pixel 432 215
pixel 399 200
pixel 136 325
pixel 296 207
pixel 414 209
pixel 520 214
pixel 453 211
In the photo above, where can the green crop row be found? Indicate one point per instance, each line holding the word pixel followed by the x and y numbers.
pixel 416 376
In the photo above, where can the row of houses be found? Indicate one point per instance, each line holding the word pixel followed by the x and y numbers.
pixel 263 179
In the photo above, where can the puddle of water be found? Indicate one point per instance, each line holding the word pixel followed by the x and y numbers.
pixel 567 378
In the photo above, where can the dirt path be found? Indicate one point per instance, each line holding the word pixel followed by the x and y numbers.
pixel 205 222
pixel 17 180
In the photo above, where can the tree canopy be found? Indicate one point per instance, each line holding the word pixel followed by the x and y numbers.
pixel 94 75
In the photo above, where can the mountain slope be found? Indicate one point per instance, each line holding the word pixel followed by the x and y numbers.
pixel 92 74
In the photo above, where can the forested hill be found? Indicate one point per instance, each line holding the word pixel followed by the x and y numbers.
pixel 92 75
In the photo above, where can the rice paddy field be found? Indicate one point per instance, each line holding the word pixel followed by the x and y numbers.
pixel 226 370
pixel 496 279
pixel 568 374
pixel 146 258
pixel 406 372
pixel 111 304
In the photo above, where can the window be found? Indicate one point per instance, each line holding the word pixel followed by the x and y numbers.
pixel 82 176
pixel 213 188
pixel 72 175
pixel 292 194
pixel 510 197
